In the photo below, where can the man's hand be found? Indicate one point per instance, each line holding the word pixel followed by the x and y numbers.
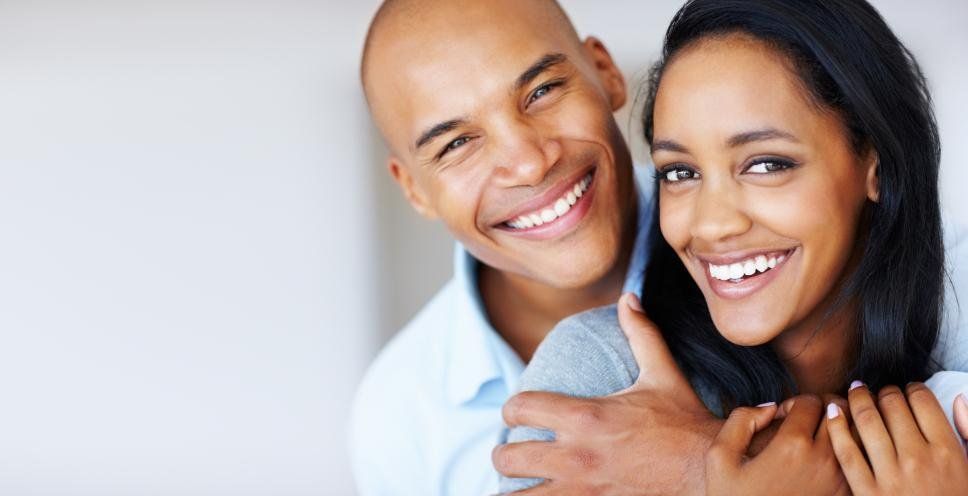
pixel 651 438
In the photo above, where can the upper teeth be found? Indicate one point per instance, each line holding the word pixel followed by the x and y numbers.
pixel 739 270
pixel 556 209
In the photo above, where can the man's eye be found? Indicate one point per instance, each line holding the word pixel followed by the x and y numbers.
pixel 677 174
pixel 542 91
pixel 768 166
pixel 453 145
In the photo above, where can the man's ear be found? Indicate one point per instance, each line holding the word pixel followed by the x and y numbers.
pixel 873 184
pixel 611 78
pixel 411 191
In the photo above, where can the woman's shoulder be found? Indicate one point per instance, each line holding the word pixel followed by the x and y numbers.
pixel 584 355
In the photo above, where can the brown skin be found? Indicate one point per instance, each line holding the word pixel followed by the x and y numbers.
pixel 730 198
pixel 513 144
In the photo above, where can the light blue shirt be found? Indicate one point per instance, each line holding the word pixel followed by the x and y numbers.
pixel 428 412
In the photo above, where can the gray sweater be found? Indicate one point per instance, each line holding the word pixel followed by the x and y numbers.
pixel 585 355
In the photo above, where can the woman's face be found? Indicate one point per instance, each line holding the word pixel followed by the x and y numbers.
pixel 761 191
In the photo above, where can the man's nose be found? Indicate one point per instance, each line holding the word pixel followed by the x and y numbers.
pixel 718 214
pixel 524 155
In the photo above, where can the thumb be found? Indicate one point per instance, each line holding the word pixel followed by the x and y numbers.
pixel 961 416
pixel 657 368
pixel 733 440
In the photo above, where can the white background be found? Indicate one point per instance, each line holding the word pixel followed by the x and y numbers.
pixel 200 250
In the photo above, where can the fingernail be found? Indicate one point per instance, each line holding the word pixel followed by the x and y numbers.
pixel 634 303
pixel 856 384
pixel 764 405
pixel 832 411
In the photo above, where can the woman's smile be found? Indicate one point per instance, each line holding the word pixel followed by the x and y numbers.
pixel 738 275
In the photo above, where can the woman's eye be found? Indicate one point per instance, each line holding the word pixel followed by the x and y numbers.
pixel 677 175
pixel 768 166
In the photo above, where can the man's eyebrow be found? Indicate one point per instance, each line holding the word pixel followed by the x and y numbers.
pixel 437 130
pixel 543 64
pixel 760 135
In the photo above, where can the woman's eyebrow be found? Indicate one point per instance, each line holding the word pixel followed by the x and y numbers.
pixel 765 134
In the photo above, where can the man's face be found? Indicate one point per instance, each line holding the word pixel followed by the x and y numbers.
pixel 501 126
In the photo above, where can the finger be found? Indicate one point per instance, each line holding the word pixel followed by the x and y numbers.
pixel 930 417
pixel 961 417
pixel 733 440
pixel 877 442
pixel 851 459
pixel 899 420
pixel 542 410
pixel 527 459
pixel 657 368
pixel 803 419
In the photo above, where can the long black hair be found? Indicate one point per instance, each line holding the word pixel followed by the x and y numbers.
pixel 851 63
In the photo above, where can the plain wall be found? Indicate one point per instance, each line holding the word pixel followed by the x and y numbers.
pixel 200 248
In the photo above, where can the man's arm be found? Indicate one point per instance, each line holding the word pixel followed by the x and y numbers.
pixel 650 438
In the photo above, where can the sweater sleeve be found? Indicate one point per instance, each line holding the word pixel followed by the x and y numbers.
pixel 586 355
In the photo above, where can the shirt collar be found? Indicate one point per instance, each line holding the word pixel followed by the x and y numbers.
pixel 477 354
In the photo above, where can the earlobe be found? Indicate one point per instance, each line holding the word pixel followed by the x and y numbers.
pixel 873 184
pixel 410 189
pixel 611 77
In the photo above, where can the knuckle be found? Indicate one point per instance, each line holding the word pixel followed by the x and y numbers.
pixel 502 459
pixel 584 459
pixel 588 415
pixel 866 415
pixel 890 396
pixel 513 407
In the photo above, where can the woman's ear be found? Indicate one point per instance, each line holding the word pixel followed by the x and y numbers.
pixel 613 82
pixel 873 163
pixel 410 189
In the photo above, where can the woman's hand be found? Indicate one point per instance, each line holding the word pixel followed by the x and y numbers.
pixel 798 460
pixel 911 447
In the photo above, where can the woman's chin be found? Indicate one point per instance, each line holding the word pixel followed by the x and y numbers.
pixel 746 332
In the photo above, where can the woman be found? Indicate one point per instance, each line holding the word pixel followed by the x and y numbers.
pixel 797 247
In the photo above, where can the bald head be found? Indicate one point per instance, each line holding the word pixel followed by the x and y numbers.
pixel 400 17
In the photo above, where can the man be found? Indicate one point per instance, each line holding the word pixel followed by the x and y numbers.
pixel 499 123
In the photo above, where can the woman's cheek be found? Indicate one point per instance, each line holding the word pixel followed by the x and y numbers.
pixel 675 216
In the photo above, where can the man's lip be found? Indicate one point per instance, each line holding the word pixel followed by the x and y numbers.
pixel 548 197
pixel 740 256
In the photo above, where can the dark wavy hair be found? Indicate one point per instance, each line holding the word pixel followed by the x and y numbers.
pixel 851 63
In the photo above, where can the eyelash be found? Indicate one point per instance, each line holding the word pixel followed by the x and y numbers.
pixel 547 86
pixel 782 165
pixel 462 140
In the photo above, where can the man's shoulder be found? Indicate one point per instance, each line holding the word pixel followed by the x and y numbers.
pixel 413 356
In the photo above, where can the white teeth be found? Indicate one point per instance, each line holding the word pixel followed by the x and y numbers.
pixel 735 271
pixel 761 264
pixel 739 270
pixel 560 207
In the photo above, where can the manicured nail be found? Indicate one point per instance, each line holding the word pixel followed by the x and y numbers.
pixel 764 405
pixel 832 411
pixel 634 303
pixel 856 384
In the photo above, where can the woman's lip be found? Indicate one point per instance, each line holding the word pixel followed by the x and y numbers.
pixel 741 256
pixel 738 290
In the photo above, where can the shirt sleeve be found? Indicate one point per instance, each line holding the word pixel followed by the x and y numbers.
pixel 951 351
pixel 586 355
pixel 946 386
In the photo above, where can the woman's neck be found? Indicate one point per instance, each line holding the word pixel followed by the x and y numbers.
pixel 820 351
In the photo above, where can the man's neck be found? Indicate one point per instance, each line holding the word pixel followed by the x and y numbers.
pixel 523 310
